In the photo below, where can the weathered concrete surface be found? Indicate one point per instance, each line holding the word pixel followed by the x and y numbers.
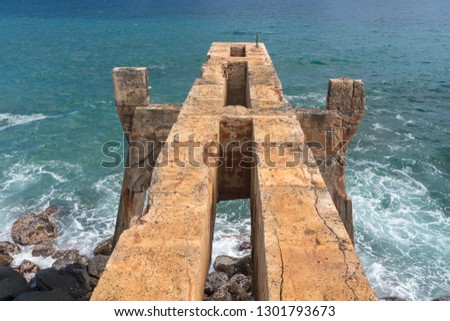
pixel 146 128
pixel 130 91
pixel 329 132
pixel 301 249
pixel 348 97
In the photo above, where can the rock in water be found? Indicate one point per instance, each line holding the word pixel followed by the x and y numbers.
pixel 52 209
pixel 5 260
pixel 240 286
pixel 225 264
pixel 238 293
pixel 244 281
pixel 104 247
pixel 97 265
pixel 93 282
pixel 54 295
pixel 43 249
pixel 392 298
pixel 11 284
pixel 64 258
pixel 231 265
pixel 222 294
pixel 72 279
pixel 27 267
pixel 33 229
pixel 214 281
pixel 244 265
pixel 9 248
pixel 245 246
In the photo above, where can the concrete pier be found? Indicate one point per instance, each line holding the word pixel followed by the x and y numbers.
pixel 235 136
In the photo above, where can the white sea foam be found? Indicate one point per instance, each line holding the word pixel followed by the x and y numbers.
pixel 409 122
pixel 24 173
pixel 87 225
pixel 309 98
pixel 80 226
pixel 42 262
pixel 10 120
pixel 232 227
pixel 378 127
pixel 399 231
pixel 358 148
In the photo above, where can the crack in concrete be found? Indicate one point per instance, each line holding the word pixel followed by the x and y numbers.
pixel 269 198
pixel 340 241
pixel 282 268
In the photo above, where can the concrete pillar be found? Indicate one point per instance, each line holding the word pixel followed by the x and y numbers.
pixel 348 97
pixel 146 127
pixel 130 91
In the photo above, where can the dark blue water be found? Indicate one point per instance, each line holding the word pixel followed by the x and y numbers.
pixel 57 109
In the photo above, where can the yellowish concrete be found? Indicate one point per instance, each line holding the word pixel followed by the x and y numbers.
pixel 301 250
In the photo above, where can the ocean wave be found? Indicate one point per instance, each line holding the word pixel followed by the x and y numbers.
pixel 399 231
pixel 11 120
pixel 379 127
pixel 409 136
pixel 309 98
pixel 25 254
pixel 85 225
pixel 23 173
pixel 82 223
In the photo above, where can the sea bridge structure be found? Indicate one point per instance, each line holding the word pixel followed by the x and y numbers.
pixel 235 136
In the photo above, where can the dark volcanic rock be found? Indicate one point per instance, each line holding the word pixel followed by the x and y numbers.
pixel 11 284
pixel 43 249
pixel 9 248
pixel 54 295
pixel 232 280
pixel 244 265
pixel 238 293
pixel 104 247
pixel 244 281
pixel 225 264
pixel 214 281
pixel 392 298
pixel 72 279
pixel 33 229
pixel 6 272
pixel 27 267
pixel 231 265
pixel 5 260
pixel 49 211
pixel 93 282
pixel 64 258
pixel 222 294
pixel 442 298
pixel 97 265
pixel 241 287
pixel 245 246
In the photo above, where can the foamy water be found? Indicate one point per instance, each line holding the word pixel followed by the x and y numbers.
pixel 57 110
pixel 10 120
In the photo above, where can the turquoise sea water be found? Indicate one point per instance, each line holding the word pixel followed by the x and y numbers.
pixel 57 109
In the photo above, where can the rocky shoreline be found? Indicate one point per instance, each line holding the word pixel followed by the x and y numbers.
pixel 72 276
